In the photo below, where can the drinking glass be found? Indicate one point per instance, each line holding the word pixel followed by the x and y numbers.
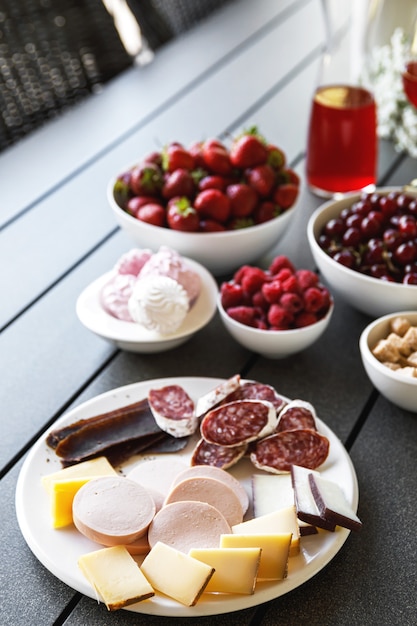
pixel 409 74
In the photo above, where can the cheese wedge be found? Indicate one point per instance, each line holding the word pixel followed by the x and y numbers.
pixel 236 569
pixel 176 574
pixel 273 564
pixel 283 521
pixel 115 576
pixel 64 484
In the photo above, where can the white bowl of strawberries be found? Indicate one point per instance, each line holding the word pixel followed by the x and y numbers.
pixel 275 312
pixel 220 206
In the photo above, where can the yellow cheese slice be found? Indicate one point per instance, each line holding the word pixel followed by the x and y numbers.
pixel 275 523
pixel 64 484
pixel 236 569
pixel 176 574
pixel 273 564
pixel 115 576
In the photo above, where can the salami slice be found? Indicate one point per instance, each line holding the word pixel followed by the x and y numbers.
pixel 173 410
pixel 217 456
pixel 298 414
pixel 217 395
pixel 237 423
pixel 253 390
pixel 304 447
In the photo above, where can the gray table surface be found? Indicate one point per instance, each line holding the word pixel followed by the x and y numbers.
pixel 250 63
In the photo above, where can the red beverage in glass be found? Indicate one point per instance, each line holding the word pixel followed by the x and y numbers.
pixel 342 141
pixel 410 82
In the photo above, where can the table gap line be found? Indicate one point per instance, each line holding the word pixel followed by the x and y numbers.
pixel 363 416
pixel 182 93
pixel 66 612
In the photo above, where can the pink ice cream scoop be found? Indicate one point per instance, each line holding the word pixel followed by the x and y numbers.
pixel 132 262
pixel 115 296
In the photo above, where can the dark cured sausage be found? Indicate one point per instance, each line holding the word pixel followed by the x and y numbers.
pixel 173 410
pixel 238 422
pixel 252 390
pixel 217 456
pixel 297 415
pixel 304 447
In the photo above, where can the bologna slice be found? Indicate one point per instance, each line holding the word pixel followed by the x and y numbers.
pixel 173 410
pixel 237 423
pixel 276 453
pixel 186 525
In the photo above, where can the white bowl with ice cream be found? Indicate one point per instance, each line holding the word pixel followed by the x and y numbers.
pixel 166 313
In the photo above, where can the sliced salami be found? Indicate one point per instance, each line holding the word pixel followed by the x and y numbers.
pixel 304 447
pixel 237 423
pixel 253 390
pixel 173 410
pixel 217 456
pixel 298 414
pixel 217 395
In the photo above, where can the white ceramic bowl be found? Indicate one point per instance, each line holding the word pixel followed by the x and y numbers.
pixel 398 388
pixel 134 337
pixel 274 344
pixel 372 296
pixel 220 252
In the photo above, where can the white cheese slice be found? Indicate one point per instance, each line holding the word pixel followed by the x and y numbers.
pixel 176 574
pixel 273 564
pixel 115 576
pixel 278 522
pixel 236 569
pixel 332 504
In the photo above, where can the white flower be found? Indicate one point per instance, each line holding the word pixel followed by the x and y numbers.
pixel 397 118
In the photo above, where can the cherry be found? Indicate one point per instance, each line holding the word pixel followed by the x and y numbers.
pixel 346 258
pixel 406 253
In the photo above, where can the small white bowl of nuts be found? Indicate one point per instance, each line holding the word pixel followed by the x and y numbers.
pixel 388 349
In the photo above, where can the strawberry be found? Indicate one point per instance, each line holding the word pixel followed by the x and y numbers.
pixel 136 202
pixel 213 204
pixel 285 195
pixel 237 223
pixel 288 176
pixel 152 213
pixel 248 150
pixel 211 226
pixel 182 216
pixel 146 180
pixel 276 157
pixel 212 181
pixel 121 190
pixel 216 157
pixel 196 151
pixel 266 211
pixel 175 157
pixel 154 157
pixel 243 199
pixel 262 179
pixel 178 183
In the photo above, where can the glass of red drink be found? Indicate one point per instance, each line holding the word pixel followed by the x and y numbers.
pixel 409 74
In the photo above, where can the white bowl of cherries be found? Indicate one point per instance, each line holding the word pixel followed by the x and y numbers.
pixel 365 246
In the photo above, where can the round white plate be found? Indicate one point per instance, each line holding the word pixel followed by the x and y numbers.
pixel 58 550
pixel 136 338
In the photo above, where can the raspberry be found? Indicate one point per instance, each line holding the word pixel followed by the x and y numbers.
pixel 305 319
pixel 291 302
pixel 231 295
pixel 279 318
pixel 313 300
pixel 259 301
pixel 306 279
pixel 280 262
pixel 272 291
pixel 283 274
pixel 261 324
pixel 242 314
pixel 253 279
pixel 290 285
pixel 239 274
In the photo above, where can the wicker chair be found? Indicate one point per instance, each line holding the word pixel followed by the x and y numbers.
pixel 53 53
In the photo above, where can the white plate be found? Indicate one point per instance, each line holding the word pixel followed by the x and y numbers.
pixel 136 338
pixel 58 550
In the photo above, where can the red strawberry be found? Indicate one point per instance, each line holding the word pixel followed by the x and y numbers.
pixel 182 216
pixel 146 180
pixel 196 151
pixel 175 157
pixel 154 157
pixel 136 202
pixel 212 181
pixel 152 213
pixel 211 226
pixel 276 157
pixel 178 183
pixel 262 179
pixel 286 195
pixel 288 176
pixel 243 199
pixel 216 157
pixel 213 204
pixel 266 211
pixel 248 150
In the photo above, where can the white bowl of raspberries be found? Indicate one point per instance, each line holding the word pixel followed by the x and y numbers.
pixel 275 312
pixel 365 246
pixel 220 206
